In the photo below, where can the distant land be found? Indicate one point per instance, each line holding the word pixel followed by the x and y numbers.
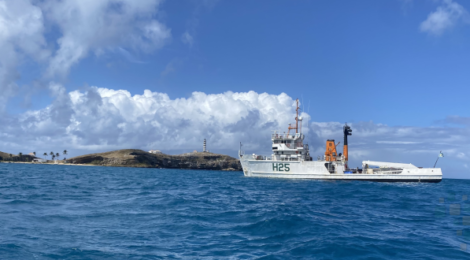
pixel 143 159
pixel 15 157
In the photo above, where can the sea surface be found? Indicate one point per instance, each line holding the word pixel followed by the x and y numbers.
pixel 73 212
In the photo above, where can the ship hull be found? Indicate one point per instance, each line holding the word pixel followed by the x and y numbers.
pixel 354 177
pixel 316 170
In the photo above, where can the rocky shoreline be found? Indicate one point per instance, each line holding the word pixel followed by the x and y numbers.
pixel 142 159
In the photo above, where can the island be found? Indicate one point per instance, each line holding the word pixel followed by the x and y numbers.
pixel 138 158
pixel 143 159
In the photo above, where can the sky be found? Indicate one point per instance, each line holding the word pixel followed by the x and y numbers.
pixel 92 76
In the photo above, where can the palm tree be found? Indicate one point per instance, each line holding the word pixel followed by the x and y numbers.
pixel 21 156
pixel 57 155
pixel 45 154
pixel 52 154
pixel 65 152
pixel 34 154
pixel 53 157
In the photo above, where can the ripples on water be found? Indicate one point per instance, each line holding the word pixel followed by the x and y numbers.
pixel 71 212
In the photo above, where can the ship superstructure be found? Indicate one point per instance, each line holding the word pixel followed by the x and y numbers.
pixel 290 147
pixel 291 158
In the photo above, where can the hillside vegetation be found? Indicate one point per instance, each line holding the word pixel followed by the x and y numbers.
pixel 139 158
pixel 15 157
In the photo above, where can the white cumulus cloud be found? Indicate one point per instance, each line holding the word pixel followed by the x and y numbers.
pixel 104 119
pixel 445 17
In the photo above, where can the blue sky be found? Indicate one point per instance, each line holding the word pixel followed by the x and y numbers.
pixel 394 65
pixel 367 57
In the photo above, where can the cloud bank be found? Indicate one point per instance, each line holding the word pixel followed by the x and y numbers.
pixel 103 119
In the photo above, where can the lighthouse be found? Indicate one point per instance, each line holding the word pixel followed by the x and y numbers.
pixel 204 147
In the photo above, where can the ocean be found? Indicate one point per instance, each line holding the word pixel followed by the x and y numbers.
pixel 73 212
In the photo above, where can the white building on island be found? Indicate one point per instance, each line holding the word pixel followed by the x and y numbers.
pixel 155 151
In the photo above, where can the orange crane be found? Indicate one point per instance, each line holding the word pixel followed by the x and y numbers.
pixel 330 153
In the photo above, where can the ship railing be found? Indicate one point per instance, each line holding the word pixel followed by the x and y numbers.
pixel 295 145
pixel 261 158
pixel 282 136
pixel 285 159
pixel 291 159
pixel 387 171
pixel 329 158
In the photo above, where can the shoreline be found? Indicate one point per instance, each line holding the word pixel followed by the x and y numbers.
pixel 72 164
pixel 91 165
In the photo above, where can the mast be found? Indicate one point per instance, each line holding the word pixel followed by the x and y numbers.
pixel 296 120
pixel 297 117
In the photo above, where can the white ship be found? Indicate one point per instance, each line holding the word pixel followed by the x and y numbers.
pixel 291 159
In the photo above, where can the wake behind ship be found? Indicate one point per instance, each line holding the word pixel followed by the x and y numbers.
pixel 291 159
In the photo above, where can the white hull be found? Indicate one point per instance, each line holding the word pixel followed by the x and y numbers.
pixel 317 170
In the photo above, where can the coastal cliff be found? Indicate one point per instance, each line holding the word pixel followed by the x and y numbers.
pixel 139 158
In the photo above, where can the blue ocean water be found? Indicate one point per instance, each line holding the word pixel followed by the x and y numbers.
pixel 73 212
